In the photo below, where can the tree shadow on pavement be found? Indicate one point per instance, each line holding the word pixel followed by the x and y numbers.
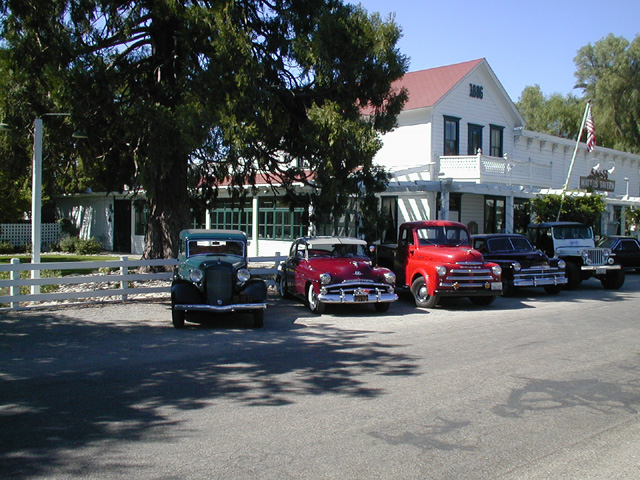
pixel 67 382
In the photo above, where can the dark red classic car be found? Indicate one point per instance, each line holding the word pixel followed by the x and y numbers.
pixel 323 270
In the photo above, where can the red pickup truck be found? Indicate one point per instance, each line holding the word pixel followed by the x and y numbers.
pixel 434 259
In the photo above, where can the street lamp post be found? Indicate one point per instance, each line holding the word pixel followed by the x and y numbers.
pixel 36 191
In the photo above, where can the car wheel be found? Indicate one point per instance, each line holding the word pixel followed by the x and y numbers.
pixel 177 316
pixel 258 318
pixel 315 305
pixel 483 301
pixel 382 307
pixel 283 290
pixel 552 289
pixel 421 294
pixel 573 276
pixel 613 280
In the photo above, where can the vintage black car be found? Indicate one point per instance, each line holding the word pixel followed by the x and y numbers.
pixel 213 277
pixel 522 265
pixel 624 250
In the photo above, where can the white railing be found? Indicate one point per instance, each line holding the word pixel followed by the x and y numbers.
pixel 121 282
pixel 482 168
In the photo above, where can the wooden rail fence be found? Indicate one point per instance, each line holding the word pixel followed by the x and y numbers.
pixel 119 280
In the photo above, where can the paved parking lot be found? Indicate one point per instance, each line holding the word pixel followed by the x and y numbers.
pixel 534 386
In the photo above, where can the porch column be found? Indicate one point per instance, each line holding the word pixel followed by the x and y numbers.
pixel 207 219
pixel 508 214
pixel 255 216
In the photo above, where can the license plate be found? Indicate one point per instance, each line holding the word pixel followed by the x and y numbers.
pixel 360 298
pixel 601 271
pixel 496 286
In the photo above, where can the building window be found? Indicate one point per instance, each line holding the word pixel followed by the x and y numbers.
pixel 475 139
pixel 389 207
pixel 497 139
pixel 494 214
pixel 521 215
pixel 141 217
pixel 451 136
pixel 276 221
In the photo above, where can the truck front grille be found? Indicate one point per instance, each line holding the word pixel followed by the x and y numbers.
pixel 218 284
pixel 596 256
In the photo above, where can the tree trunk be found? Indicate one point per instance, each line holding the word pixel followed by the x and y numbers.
pixel 168 211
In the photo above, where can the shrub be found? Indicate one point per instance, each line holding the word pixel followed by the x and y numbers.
pixel 80 246
pixel 6 247
pixel 68 244
pixel 89 247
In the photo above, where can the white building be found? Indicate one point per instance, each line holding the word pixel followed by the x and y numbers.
pixel 460 139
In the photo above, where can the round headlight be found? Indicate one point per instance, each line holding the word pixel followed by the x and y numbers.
pixel 562 264
pixel 517 267
pixel 244 275
pixel 496 270
pixel 325 278
pixel 607 253
pixel 441 270
pixel 195 275
pixel 390 278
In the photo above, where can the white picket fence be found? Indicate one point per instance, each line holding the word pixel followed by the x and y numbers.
pixel 123 282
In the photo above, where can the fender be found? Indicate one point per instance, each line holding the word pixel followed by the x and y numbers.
pixel 183 291
pixel 256 289
pixel 421 272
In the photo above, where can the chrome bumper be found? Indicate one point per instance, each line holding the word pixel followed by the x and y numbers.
pixel 600 268
pixel 220 308
pixel 539 282
pixel 371 297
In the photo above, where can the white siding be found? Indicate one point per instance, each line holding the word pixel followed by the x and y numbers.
pixel 408 145
pixel 472 207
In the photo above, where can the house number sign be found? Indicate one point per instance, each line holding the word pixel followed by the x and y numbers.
pixel 475 91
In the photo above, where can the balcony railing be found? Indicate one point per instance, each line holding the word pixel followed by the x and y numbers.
pixel 484 169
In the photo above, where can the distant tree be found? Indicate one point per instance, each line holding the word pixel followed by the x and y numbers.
pixel 609 73
pixel 555 114
pixel 585 209
pixel 170 91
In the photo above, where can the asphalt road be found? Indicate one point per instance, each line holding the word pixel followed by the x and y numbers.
pixel 532 387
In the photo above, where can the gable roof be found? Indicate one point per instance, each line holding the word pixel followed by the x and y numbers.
pixel 427 87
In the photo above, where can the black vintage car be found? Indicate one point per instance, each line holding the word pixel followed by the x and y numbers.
pixel 213 277
pixel 522 265
pixel 624 250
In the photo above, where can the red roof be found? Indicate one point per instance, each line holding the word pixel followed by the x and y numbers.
pixel 426 87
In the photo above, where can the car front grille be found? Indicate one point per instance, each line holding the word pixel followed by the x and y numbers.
pixel 218 284
pixel 596 256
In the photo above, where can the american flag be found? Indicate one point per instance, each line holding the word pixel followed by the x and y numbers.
pixel 591 133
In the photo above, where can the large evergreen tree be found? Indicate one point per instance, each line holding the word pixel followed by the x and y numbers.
pixel 230 88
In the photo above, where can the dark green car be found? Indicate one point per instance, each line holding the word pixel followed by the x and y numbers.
pixel 213 277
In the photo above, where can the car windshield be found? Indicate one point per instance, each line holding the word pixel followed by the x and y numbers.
pixel 606 242
pixel 443 235
pixel 215 247
pixel 337 250
pixel 572 232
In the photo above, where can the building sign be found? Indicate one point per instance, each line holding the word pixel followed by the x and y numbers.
pixel 475 91
pixel 597 181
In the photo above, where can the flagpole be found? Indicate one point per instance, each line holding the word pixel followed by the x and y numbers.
pixel 573 158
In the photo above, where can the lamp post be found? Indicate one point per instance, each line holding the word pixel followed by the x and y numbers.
pixel 36 191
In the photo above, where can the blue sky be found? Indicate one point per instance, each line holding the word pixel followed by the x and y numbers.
pixel 525 42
